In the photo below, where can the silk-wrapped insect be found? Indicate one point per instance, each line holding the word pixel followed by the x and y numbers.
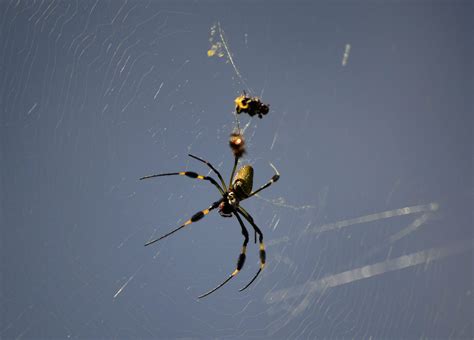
pixel 251 105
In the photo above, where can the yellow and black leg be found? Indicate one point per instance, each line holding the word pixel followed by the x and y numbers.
pixel 261 251
pixel 274 178
pixel 189 174
pixel 212 168
pixel 240 261
pixel 196 217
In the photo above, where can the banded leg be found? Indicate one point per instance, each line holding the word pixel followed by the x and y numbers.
pixel 274 178
pixel 240 261
pixel 189 174
pixel 261 252
pixel 212 168
pixel 196 217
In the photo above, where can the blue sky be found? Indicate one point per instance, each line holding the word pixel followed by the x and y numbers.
pixel 368 230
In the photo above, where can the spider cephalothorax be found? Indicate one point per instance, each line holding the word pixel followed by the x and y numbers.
pixel 239 189
pixel 226 207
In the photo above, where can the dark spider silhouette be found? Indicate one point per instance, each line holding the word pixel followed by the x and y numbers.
pixel 239 189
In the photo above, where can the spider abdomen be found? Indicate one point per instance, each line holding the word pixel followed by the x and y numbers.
pixel 243 182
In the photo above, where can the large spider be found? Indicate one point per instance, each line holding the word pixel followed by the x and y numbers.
pixel 239 189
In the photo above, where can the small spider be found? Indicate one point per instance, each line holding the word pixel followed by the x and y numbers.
pixel 251 105
pixel 240 188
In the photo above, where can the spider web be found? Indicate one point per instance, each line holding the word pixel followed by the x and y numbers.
pixel 368 231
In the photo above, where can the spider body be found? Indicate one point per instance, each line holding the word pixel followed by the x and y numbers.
pixel 243 182
pixel 239 189
pixel 225 208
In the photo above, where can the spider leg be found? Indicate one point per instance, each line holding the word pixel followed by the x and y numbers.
pixel 236 161
pixel 189 174
pixel 274 178
pixel 196 217
pixel 240 261
pixel 212 168
pixel 262 253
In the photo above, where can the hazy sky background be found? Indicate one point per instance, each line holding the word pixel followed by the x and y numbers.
pixel 369 231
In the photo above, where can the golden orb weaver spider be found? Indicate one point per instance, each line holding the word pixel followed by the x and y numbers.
pixel 239 189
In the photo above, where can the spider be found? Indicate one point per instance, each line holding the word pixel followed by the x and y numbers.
pixel 239 189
